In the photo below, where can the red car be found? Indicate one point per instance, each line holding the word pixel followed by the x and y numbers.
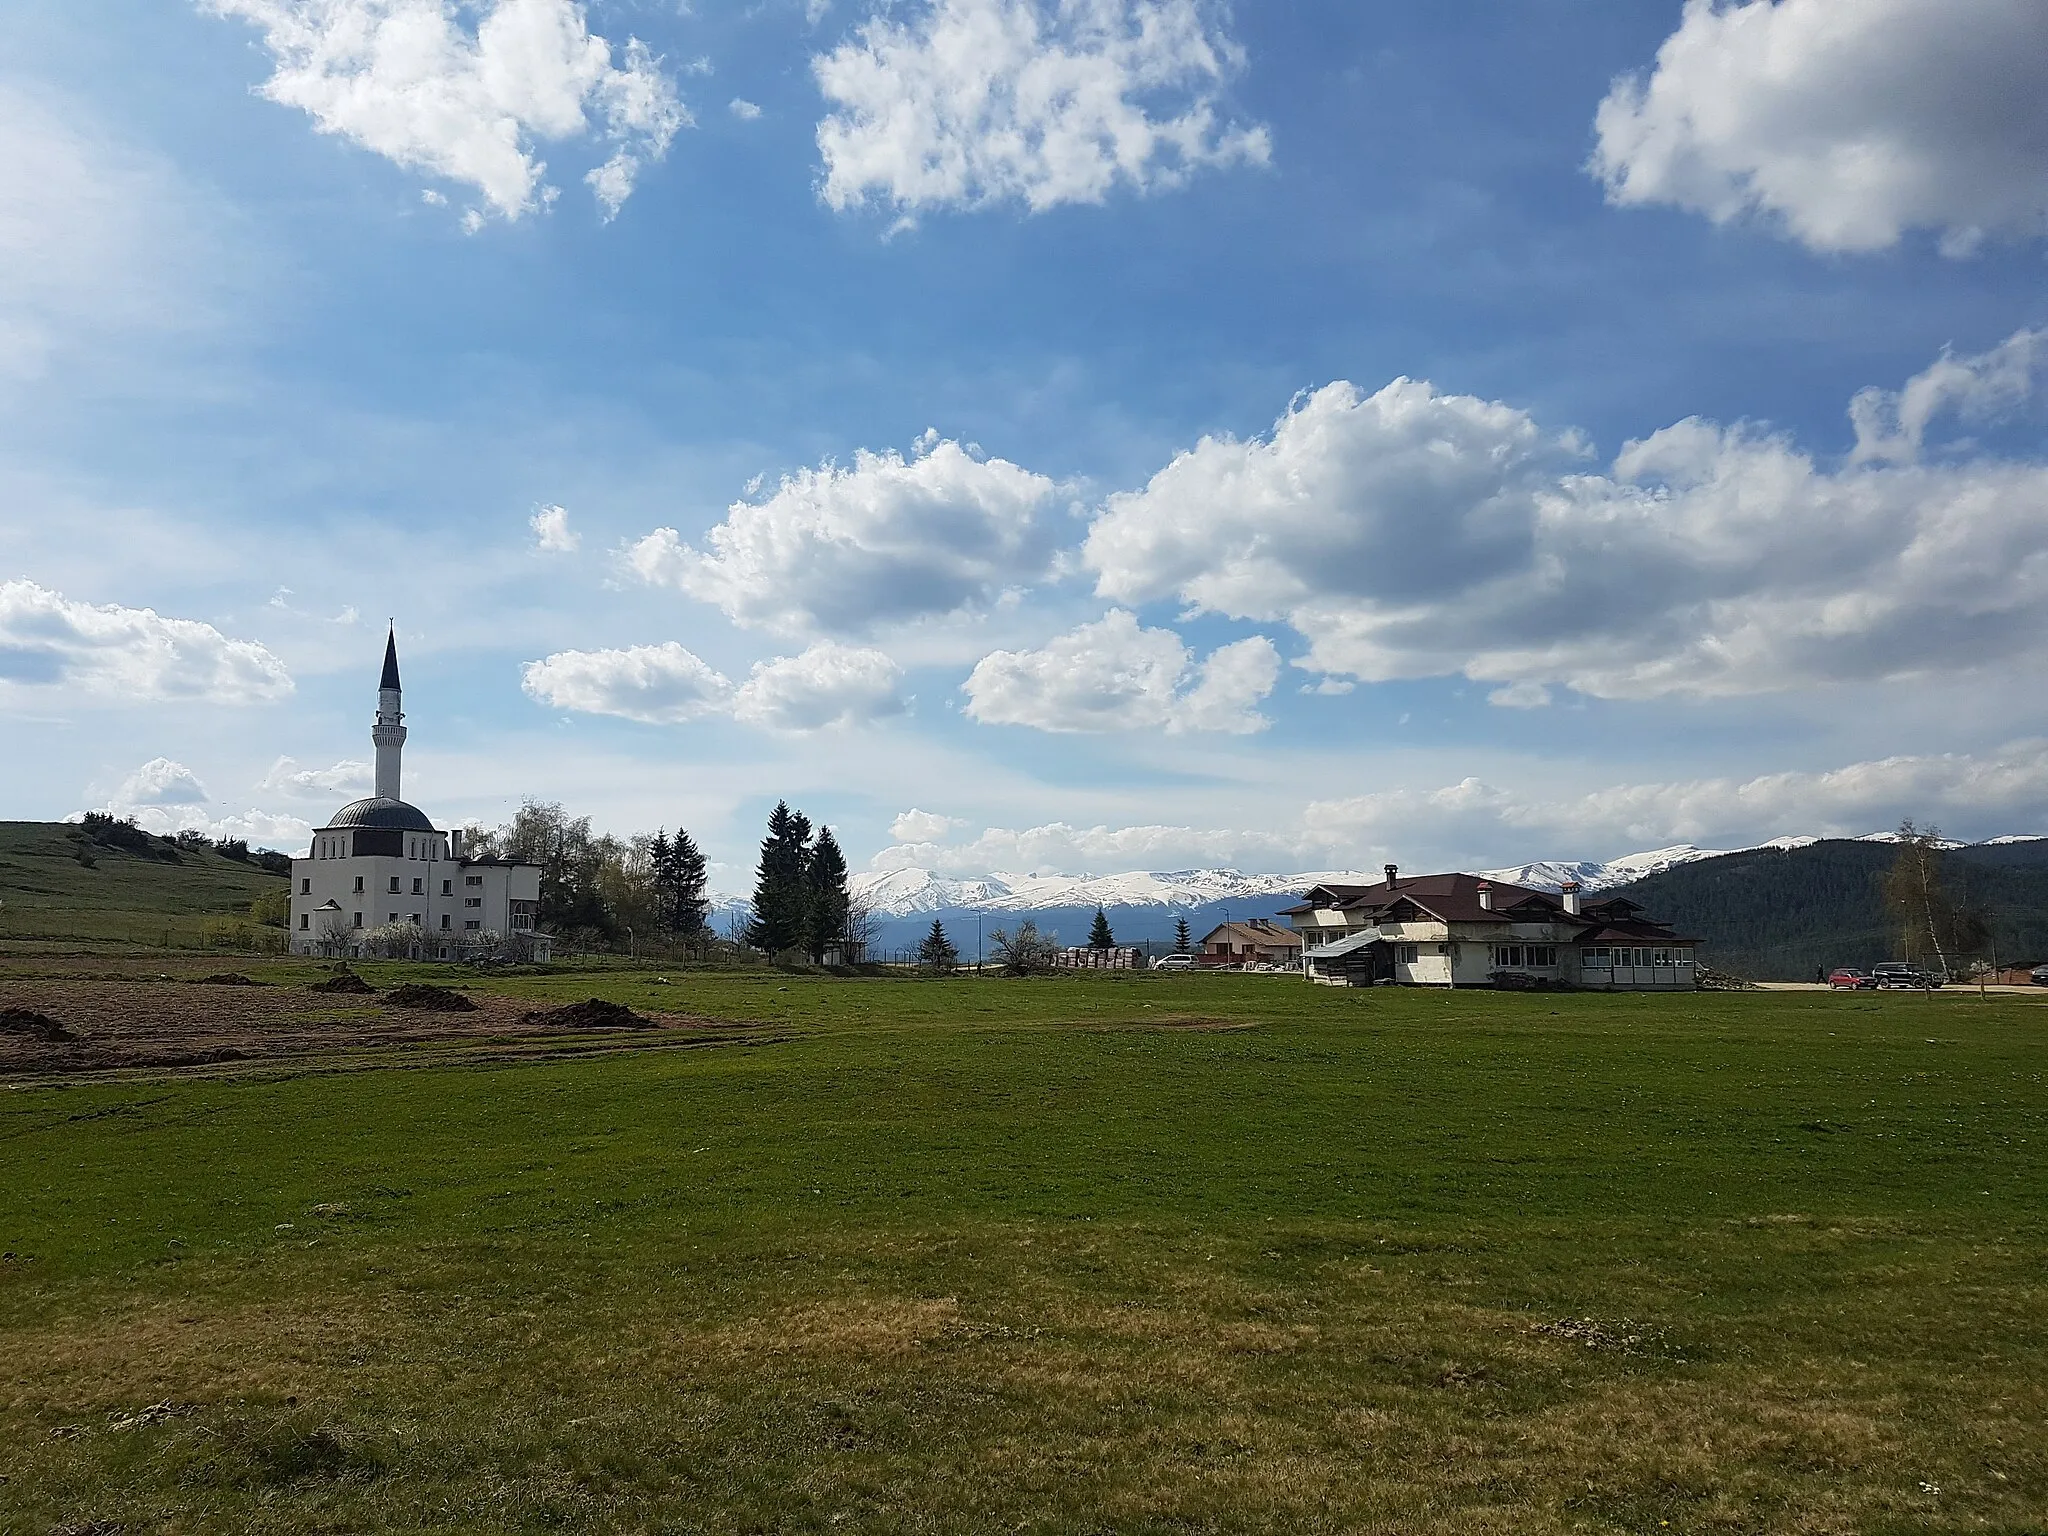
pixel 1847 978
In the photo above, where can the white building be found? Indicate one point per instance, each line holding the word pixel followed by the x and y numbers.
pixel 381 874
pixel 1462 930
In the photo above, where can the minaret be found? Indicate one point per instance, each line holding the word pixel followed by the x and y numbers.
pixel 389 732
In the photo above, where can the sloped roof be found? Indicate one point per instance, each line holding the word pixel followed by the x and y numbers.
pixel 390 677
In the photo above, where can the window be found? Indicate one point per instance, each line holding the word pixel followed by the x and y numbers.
pixel 447 887
pixel 1596 958
pixel 472 879
pixel 1660 957
pixel 359 885
pixel 394 885
pixel 473 901
pixel 521 920
pixel 1507 957
pixel 472 926
pixel 305 887
pixel 1543 954
pixel 418 886
pixel 305 921
pixel 393 918
pixel 413 918
pixel 359 920
pixel 444 922
pixel 1404 954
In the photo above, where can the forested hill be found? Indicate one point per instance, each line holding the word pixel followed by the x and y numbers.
pixel 1774 914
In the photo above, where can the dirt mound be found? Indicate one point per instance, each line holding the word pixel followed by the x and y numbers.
pixel 416 994
pixel 37 1026
pixel 594 1013
pixel 347 981
pixel 230 979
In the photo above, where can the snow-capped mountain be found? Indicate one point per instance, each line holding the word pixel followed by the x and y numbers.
pixel 903 893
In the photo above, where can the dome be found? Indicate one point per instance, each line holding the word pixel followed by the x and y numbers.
pixel 379 812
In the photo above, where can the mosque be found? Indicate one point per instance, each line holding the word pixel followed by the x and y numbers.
pixel 381 878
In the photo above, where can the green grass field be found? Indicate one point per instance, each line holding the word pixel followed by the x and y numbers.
pixel 47 896
pixel 1106 1254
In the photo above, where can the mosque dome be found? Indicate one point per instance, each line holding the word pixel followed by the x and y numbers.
pixel 378 811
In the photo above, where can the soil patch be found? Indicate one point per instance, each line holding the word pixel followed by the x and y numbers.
pixel 347 982
pixel 231 979
pixel 416 994
pixel 31 1025
pixel 593 1014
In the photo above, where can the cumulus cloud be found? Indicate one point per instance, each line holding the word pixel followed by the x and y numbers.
pixel 1850 121
pixel 409 80
pixel 1113 675
pixel 828 685
pixel 964 103
pixel 1893 424
pixel 161 781
pixel 746 111
pixel 656 684
pixel 51 644
pixel 347 778
pixel 1413 534
pixel 552 534
pixel 842 551
pixel 915 826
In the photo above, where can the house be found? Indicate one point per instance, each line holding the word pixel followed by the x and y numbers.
pixel 1459 930
pixel 1257 941
pixel 381 878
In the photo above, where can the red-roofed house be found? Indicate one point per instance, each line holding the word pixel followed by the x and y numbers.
pixel 1460 930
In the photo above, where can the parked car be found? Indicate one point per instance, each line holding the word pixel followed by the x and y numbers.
pixel 1848 977
pixel 1893 975
pixel 1174 963
pixel 2041 975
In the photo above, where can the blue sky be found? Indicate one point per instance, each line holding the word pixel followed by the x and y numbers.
pixel 910 452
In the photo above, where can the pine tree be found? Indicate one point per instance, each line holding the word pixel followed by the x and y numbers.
pixel 1099 936
pixel 1180 935
pixel 937 954
pixel 679 877
pixel 781 900
pixel 826 898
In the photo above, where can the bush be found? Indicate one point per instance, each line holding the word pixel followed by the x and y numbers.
pixel 1027 952
pixel 273 909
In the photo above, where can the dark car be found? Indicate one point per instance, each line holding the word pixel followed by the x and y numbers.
pixel 1847 977
pixel 2041 975
pixel 1893 975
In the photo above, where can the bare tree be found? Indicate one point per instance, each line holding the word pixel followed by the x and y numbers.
pixel 1023 953
pixel 1914 892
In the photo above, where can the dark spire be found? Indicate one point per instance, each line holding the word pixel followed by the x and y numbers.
pixel 390 678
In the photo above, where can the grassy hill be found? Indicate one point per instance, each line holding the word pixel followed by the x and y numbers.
pixel 1776 914
pixel 59 884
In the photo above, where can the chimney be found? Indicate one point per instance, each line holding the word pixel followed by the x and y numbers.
pixel 1392 871
pixel 455 844
pixel 1571 897
pixel 1486 895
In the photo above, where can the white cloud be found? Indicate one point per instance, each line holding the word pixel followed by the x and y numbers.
pixel 408 80
pixel 1472 824
pixel 656 684
pixel 743 109
pixel 551 531
pixel 1851 121
pixel 1892 424
pixel 971 102
pixel 1113 675
pixel 161 781
pixel 828 685
pixel 131 655
pixel 889 540
pixel 1413 534
pixel 915 826
pixel 347 778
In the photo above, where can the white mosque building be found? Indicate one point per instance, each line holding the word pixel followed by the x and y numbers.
pixel 381 878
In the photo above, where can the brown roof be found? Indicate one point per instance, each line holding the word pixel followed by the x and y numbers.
pixel 1454 898
pixel 1256 931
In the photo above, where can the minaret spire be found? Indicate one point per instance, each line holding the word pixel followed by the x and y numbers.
pixel 388 734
